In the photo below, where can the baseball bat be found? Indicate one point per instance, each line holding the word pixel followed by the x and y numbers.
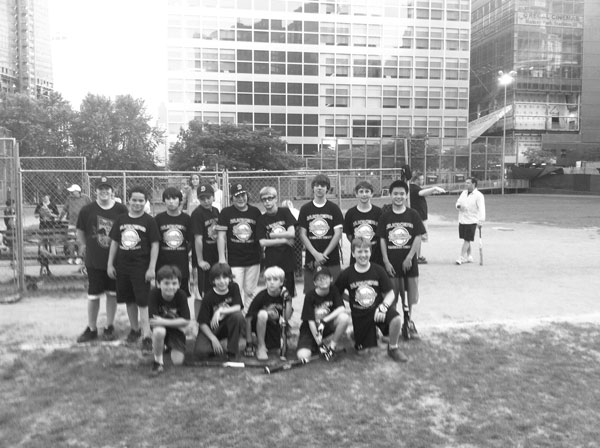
pixel 480 248
pixel 284 325
pixel 298 362
pixel 406 313
pixel 230 364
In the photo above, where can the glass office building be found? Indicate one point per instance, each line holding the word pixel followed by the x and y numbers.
pixel 347 83
pixel 547 43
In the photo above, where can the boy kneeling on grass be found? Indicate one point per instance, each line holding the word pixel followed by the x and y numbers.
pixel 169 315
pixel 372 303
pixel 220 315
pixel 264 314
pixel 323 314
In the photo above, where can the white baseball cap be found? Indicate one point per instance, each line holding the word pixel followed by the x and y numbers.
pixel 74 187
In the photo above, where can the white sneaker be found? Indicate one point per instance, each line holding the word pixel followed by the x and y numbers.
pixel 470 259
pixel 461 260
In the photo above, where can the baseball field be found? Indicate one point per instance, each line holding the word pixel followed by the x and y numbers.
pixel 508 358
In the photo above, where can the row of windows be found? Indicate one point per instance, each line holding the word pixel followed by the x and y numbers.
pixel 387 8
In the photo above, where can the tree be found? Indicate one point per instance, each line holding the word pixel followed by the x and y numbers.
pixel 540 155
pixel 41 126
pixel 115 135
pixel 231 146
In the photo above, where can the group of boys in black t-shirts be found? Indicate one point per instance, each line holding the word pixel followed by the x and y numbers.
pixel 128 250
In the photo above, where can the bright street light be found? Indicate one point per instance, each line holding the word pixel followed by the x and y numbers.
pixel 505 79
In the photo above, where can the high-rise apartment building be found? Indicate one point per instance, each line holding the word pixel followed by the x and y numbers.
pixel 347 83
pixel 25 57
pixel 553 48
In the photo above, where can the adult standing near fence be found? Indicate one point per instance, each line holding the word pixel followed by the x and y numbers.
pixel 418 202
pixel 237 243
pixel 47 212
pixel 218 194
pixel 93 227
pixel 190 196
pixel 73 205
pixel 321 223
pixel 471 215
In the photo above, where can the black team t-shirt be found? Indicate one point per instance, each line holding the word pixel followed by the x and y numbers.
pixel 319 223
pixel 399 231
pixel 135 237
pixel 212 301
pixel 240 227
pixel 316 307
pixel 96 223
pixel 366 290
pixel 283 255
pixel 169 309
pixel 418 202
pixel 364 224
pixel 175 236
pixel 204 223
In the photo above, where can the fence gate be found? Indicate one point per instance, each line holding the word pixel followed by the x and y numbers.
pixel 11 279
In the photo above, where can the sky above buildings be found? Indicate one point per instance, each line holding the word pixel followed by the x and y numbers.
pixel 109 47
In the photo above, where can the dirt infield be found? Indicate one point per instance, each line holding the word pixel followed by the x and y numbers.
pixel 531 273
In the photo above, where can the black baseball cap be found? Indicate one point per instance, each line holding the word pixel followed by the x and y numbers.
pixel 237 189
pixel 205 190
pixel 103 182
pixel 322 271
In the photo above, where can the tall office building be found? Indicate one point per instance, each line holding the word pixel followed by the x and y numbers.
pixel 553 101
pixel 347 83
pixel 25 58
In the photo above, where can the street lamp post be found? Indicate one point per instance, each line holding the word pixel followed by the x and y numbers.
pixel 505 79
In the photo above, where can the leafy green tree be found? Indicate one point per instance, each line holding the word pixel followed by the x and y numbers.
pixel 232 146
pixel 115 134
pixel 540 155
pixel 41 126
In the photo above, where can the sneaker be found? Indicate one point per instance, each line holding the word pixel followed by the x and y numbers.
pixel 109 334
pixel 470 259
pixel 261 353
pixel 157 368
pixel 146 345
pixel 422 260
pixel 88 335
pixel 412 330
pixel 396 354
pixel 461 260
pixel 133 336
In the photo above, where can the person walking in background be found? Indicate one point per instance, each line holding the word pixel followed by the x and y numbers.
pixel 190 198
pixel 471 215
pixel 218 201
pixel 419 203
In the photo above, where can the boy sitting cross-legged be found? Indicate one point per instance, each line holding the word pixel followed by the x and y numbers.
pixel 169 315
pixel 323 314
pixel 264 314
pixel 371 298
pixel 220 315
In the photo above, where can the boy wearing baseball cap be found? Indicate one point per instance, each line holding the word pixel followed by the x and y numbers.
pixel 323 314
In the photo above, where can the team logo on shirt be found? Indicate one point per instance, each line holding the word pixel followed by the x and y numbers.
pixel 322 310
pixel 242 231
pixel 130 239
pixel 167 312
pixel 318 227
pixel 173 238
pixel 102 230
pixel 365 231
pixel 399 236
pixel 277 228
pixel 212 231
pixel 365 296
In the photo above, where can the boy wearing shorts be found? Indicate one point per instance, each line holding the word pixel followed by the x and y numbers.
pixel 175 229
pixel 220 315
pixel 264 314
pixel 369 291
pixel 93 227
pixel 204 252
pixel 323 314
pixel 276 231
pixel 134 251
pixel 399 231
pixel 169 315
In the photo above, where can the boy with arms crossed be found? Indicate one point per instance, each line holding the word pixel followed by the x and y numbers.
pixel 93 227
pixel 400 231
pixel 175 229
pixel 169 315
pixel 369 290
pixel 134 250
pixel 204 252
pixel 321 222
pixel 237 242
pixel 275 231
pixel 220 316
pixel 323 314
pixel 264 314
pixel 361 220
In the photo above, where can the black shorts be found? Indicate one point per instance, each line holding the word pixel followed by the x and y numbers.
pixel 412 272
pixel 99 282
pixel 365 334
pixel 467 231
pixel 203 281
pixel 272 333
pixel 306 339
pixel 290 283
pixel 132 287
pixel 175 340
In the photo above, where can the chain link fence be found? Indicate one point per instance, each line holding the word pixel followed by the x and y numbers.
pixel 9 231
